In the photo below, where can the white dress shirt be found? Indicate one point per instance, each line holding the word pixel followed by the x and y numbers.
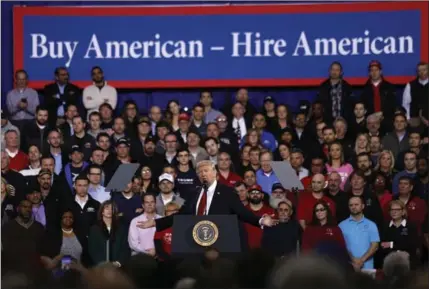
pixel 406 97
pixel 240 122
pixel 210 194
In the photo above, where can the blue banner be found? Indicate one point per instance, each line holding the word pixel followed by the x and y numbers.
pixel 221 45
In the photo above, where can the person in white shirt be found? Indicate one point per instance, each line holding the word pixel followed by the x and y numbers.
pixel 167 195
pixel 141 240
pixel 238 121
pixel 34 157
pixel 99 92
pixel 96 190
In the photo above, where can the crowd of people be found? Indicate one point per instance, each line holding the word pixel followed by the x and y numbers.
pixel 362 161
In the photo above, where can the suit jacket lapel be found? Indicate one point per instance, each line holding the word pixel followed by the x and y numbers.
pixel 214 200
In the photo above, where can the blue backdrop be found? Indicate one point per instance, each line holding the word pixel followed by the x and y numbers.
pixel 145 98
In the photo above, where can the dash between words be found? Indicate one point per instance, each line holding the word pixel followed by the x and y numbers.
pixel 243 44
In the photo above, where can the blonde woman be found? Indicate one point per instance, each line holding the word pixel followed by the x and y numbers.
pixel 398 234
pixel 385 165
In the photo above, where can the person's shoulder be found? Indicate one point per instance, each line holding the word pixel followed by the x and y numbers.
pixel 370 223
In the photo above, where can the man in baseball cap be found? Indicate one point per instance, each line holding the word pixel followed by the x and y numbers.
pixel 258 207
pixel 167 195
pixel 379 95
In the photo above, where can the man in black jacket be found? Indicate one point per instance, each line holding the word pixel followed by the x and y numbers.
pixel 336 94
pixel 212 199
pixel 36 131
pixel 61 93
pixel 379 95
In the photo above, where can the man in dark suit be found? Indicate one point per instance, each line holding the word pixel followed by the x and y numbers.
pixel 61 93
pixel 213 199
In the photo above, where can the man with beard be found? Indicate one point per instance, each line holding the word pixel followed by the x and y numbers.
pixel 308 200
pixel 363 163
pixel 361 235
pixel 281 240
pixel 339 197
pixel 336 94
pixel 258 208
pixel 36 131
pixel 279 194
pixel 99 92
pixel 21 243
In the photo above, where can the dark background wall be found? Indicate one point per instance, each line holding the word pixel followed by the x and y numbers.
pixel 147 98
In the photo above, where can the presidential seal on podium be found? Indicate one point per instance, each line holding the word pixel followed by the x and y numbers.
pixel 205 233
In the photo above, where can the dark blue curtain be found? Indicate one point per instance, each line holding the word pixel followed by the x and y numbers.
pixel 147 98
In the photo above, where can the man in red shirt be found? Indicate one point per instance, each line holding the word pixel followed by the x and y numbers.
pixel 257 206
pixel 226 177
pixel 416 207
pixel 307 200
pixel 18 159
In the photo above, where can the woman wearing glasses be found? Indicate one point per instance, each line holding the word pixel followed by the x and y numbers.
pixel 323 230
pixel 399 234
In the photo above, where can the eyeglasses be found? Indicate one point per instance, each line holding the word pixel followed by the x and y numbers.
pixel 320 210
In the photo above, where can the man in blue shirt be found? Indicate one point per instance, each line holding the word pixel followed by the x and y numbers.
pixel 410 163
pixel 361 235
pixel 265 176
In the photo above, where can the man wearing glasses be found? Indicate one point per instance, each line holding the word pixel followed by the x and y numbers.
pixel 96 190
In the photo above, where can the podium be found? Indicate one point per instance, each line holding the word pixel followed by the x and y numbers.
pixel 193 235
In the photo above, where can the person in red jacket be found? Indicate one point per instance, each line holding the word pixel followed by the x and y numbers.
pixel 259 208
pixel 323 229
pixel 163 238
pixel 18 159
pixel 416 207
pixel 307 200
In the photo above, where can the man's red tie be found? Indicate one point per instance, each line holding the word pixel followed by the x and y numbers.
pixel 203 203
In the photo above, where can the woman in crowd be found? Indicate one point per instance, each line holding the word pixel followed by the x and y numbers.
pixel 131 116
pixel 65 241
pixel 384 196
pixel 336 162
pixel 8 211
pixel 148 184
pixel 108 239
pixel 398 234
pixel 361 146
pixel 385 165
pixel 172 114
pixel 252 138
pixel 283 152
pixel 283 120
pixel 323 230
pixel 244 159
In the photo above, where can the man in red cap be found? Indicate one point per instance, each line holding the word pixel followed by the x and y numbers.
pixel 378 94
pixel 184 125
pixel 259 208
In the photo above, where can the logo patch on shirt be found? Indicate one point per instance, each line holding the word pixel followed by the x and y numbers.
pixel 167 238
pixel 90 210
pixel 87 145
pixel 329 232
pixel 404 232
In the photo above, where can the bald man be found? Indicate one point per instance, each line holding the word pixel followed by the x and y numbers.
pixel 307 201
